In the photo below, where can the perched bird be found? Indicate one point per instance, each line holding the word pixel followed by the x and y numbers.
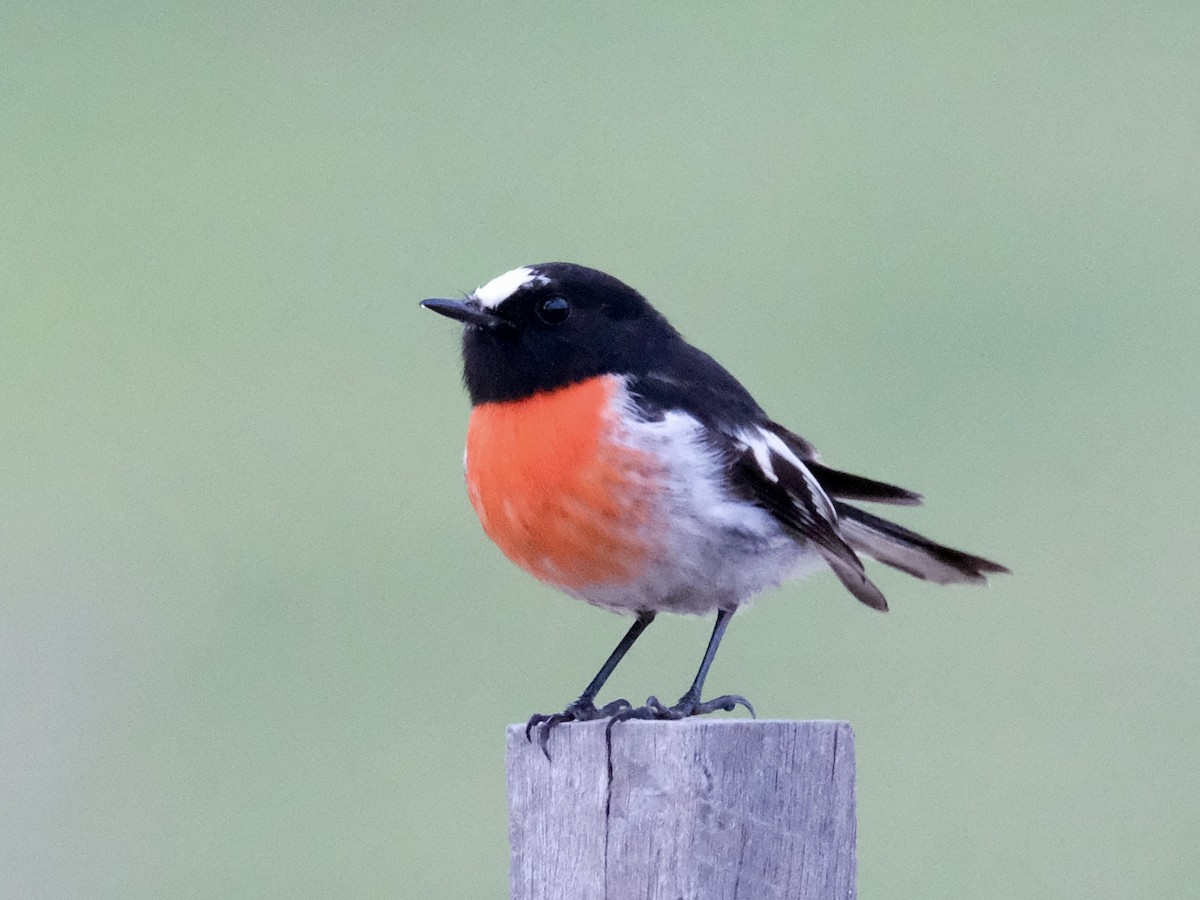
pixel 610 458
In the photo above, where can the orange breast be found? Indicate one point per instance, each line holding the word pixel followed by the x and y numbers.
pixel 557 490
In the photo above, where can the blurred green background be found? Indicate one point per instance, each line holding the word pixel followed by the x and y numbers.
pixel 253 642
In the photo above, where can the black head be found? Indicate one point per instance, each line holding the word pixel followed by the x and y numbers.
pixel 550 325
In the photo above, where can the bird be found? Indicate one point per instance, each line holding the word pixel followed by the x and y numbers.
pixel 615 461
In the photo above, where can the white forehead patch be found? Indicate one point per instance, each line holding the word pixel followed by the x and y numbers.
pixel 504 286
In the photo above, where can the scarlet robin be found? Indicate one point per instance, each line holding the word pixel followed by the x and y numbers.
pixel 611 459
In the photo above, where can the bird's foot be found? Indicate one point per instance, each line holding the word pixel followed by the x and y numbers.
pixel 687 706
pixel 578 711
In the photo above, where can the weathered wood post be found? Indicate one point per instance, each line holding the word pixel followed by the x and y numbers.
pixel 700 810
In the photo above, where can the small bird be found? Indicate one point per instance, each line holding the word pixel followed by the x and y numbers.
pixel 610 458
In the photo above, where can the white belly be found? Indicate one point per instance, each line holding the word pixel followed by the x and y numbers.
pixel 716 551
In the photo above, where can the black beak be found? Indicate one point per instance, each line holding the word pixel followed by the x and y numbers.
pixel 466 312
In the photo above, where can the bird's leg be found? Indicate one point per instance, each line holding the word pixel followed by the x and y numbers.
pixel 689 704
pixel 583 708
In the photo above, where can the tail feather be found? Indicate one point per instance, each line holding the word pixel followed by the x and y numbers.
pixel 910 552
pixel 856 487
pixel 855 580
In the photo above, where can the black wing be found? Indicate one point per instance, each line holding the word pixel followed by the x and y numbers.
pixel 690 380
pixel 787 489
pixel 842 484
pixel 779 471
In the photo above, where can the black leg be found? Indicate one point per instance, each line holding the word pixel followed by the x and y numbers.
pixel 718 632
pixel 689 704
pixel 584 708
pixel 635 631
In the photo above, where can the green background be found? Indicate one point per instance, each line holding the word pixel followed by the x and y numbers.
pixel 253 642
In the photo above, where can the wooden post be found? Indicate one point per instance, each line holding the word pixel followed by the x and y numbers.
pixel 718 809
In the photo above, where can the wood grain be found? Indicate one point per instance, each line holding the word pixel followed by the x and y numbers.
pixel 692 810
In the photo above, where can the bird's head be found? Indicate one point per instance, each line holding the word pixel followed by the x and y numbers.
pixel 549 325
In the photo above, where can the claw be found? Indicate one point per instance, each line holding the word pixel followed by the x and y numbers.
pixel 537 720
pixel 687 706
pixel 728 703
pixel 623 711
pixel 661 710
pixel 578 711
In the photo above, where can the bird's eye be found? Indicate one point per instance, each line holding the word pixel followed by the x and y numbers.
pixel 554 311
